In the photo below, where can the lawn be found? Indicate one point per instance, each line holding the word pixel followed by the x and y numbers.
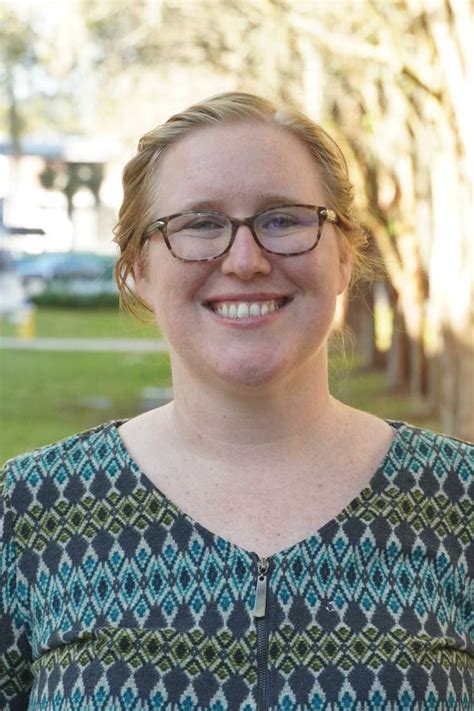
pixel 83 323
pixel 48 395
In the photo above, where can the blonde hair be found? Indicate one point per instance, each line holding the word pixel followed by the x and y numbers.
pixel 139 179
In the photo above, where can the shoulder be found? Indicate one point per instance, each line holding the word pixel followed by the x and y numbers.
pixel 433 446
pixel 434 458
pixel 72 462
pixel 433 484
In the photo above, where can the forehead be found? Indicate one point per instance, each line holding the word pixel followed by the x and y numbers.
pixel 236 166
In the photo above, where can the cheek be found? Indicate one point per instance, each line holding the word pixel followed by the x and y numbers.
pixel 171 293
pixel 314 278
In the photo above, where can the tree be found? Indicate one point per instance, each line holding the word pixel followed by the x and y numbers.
pixel 400 74
pixel 388 80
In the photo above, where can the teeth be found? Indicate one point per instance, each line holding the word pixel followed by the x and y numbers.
pixel 244 310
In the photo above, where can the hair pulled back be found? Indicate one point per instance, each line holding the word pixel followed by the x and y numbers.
pixel 138 207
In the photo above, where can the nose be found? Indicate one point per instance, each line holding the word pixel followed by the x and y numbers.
pixel 245 259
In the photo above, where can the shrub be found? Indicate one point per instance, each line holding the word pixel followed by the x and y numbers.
pixel 74 301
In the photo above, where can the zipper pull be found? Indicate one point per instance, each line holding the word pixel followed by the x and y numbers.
pixel 261 589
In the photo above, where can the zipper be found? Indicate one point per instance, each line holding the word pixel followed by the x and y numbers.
pixel 261 623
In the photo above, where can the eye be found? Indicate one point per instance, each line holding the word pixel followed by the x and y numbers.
pixel 278 222
pixel 196 225
pixel 204 224
pixel 285 220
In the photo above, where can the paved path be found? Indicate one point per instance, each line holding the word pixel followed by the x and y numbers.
pixel 85 344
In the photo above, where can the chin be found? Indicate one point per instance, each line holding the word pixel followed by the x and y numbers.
pixel 250 374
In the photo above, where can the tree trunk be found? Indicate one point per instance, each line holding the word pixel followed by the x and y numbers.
pixel 398 361
pixel 457 386
pixel 360 319
pixel 452 288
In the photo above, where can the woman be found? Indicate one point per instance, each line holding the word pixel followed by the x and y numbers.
pixel 255 543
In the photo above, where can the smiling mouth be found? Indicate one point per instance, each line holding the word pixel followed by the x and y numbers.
pixel 246 309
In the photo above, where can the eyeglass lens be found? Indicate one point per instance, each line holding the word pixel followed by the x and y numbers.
pixel 206 235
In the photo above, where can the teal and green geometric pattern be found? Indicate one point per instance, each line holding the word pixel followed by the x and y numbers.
pixel 112 598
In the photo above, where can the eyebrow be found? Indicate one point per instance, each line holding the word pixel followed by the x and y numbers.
pixel 263 200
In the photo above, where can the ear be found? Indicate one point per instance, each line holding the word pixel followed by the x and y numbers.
pixel 345 265
pixel 140 277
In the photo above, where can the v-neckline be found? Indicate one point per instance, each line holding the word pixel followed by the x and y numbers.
pixel 148 485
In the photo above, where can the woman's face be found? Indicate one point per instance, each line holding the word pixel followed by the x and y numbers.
pixel 240 169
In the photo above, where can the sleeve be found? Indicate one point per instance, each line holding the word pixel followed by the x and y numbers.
pixel 15 652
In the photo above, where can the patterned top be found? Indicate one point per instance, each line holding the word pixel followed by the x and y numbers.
pixel 113 598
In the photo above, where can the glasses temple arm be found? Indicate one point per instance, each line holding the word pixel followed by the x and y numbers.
pixel 329 214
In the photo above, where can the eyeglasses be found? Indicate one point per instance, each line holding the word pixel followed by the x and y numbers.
pixel 286 230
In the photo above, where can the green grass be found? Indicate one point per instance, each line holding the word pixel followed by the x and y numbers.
pixel 368 391
pixel 45 396
pixel 83 323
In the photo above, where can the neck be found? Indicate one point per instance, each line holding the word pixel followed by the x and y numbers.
pixel 273 420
